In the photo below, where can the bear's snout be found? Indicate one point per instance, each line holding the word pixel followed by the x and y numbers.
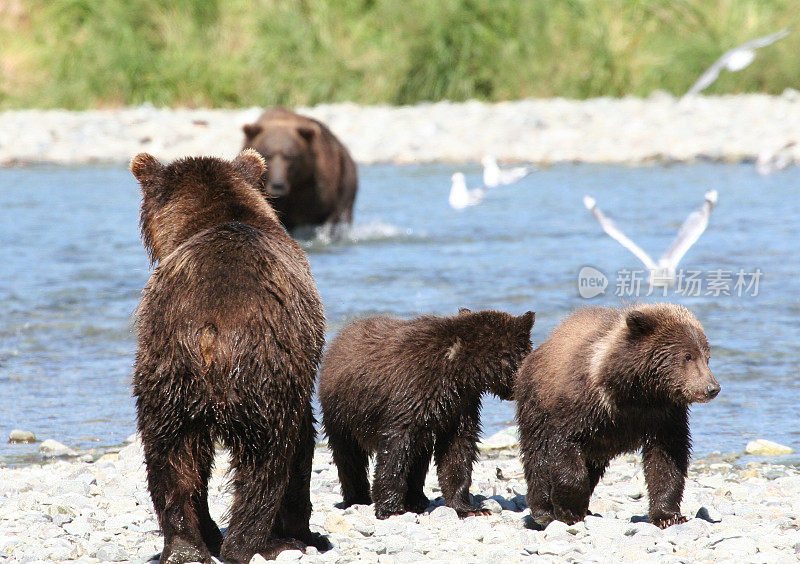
pixel 712 390
pixel 278 189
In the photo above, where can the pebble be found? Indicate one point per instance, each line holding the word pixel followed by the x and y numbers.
pixel 20 436
pixel 70 509
pixel 659 128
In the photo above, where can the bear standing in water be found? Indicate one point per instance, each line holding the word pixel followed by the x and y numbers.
pixel 610 381
pixel 409 390
pixel 312 180
pixel 230 331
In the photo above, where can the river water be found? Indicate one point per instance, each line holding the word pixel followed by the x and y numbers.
pixel 72 267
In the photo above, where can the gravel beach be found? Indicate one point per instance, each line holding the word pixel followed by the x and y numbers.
pixel 660 128
pixel 101 511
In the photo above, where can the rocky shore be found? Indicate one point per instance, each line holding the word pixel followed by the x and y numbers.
pixel 101 511
pixel 629 130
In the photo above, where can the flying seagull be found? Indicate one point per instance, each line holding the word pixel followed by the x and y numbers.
pixel 460 196
pixel 773 161
pixel 494 176
pixel 734 60
pixel 662 273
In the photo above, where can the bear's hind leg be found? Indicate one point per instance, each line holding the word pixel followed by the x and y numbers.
pixel 571 490
pixel 416 501
pixel 390 484
pixel 352 463
pixel 295 510
pixel 208 528
pixel 178 462
pixel 261 458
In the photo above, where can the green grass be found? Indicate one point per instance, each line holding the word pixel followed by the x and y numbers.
pixel 81 54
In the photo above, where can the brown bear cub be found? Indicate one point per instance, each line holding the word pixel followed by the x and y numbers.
pixel 409 390
pixel 606 382
pixel 311 179
pixel 230 330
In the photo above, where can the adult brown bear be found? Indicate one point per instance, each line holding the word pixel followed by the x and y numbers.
pixel 312 179
pixel 230 331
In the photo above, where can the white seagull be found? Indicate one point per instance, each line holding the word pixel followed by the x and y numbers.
pixel 493 176
pixel 734 60
pixel 460 196
pixel 773 161
pixel 662 273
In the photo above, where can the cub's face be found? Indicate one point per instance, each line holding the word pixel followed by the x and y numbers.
pixel 680 355
pixel 288 152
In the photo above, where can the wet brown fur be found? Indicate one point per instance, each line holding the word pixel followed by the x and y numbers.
pixel 410 390
pixel 606 382
pixel 230 330
pixel 309 161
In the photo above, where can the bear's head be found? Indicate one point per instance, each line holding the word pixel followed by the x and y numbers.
pixel 288 148
pixel 670 352
pixel 499 343
pixel 195 193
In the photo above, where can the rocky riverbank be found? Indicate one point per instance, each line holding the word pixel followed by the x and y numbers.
pixel 659 128
pixel 101 511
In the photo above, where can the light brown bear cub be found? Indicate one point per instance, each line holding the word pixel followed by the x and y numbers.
pixel 610 381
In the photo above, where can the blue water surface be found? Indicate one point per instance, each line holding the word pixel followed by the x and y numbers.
pixel 72 268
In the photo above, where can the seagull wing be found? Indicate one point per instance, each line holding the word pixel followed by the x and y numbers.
pixel 689 232
pixel 765 40
pixel 709 76
pixel 611 228
pixel 712 73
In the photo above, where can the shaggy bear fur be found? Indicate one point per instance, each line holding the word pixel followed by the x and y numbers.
pixel 312 178
pixel 230 331
pixel 409 390
pixel 610 381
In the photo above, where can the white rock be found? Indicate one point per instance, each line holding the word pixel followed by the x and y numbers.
pixel 506 439
pixel 258 559
pixel 444 513
pixel 52 447
pixel 20 436
pixel 336 524
pixel 289 556
pixel 110 552
pixel 763 447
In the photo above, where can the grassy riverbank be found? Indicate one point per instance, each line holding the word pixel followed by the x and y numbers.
pixel 80 54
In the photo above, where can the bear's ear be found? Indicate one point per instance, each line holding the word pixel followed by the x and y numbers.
pixel 306 133
pixel 463 310
pixel 639 323
pixel 251 130
pixel 528 319
pixel 146 168
pixel 250 164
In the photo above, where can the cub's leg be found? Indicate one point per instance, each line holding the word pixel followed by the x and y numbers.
pixel 392 465
pixel 352 463
pixel 665 456
pixel 570 484
pixel 415 501
pixel 454 457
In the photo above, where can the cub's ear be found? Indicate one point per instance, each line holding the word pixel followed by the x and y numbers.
pixel 146 168
pixel 528 319
pixel 463 310
pixel 250 164
pixel 639 324
pixel 306 133
pixel 251 130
